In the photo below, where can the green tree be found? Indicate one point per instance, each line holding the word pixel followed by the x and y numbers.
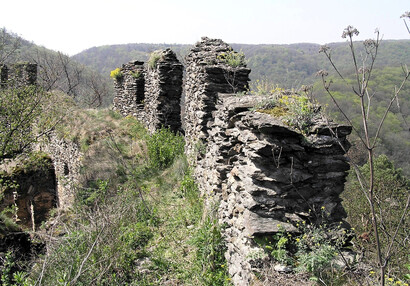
pixel 391 189
pixel 26 114
pixel 9 45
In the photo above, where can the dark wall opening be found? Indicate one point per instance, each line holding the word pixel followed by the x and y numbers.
pixel 35 195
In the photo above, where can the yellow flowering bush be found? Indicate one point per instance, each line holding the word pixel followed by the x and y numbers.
pixel 116 74
pixel 265 87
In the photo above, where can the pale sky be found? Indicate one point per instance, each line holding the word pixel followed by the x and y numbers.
pixel 71 26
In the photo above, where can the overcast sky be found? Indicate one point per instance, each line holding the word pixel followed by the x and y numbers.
pixel 72 26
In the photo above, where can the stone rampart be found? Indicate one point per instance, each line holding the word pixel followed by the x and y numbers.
pixel 130 89
pixel 266 175
pixel 152 92
pixel 261 173
pixel 207 74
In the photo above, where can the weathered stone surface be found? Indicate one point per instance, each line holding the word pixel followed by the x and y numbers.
pixel 269 176
pixel 255 224
pixel 207 75
pixel 265 175
pixel 130 89
pixel 67 160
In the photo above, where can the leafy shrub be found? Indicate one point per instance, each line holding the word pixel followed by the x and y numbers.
pixel 188 186
pixel 233 59
pixel 301 111
pixel 163 147
pixel 92 195
pixel 34 161
pixel 277 245
pixel 210 253
pixel 391 189
pixel 153 59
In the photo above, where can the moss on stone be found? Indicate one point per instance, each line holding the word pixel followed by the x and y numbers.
pixel 276 111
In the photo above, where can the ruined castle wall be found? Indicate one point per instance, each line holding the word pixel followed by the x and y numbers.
pixel 130 89
pixel 67 158
pixel 164 92
pixel 35 192
pixel 207 74
pixel 154 96
pixel 259 171
pixel 39 188
pixel 265 174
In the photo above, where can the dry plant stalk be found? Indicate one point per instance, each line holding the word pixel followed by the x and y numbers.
pixel 363 75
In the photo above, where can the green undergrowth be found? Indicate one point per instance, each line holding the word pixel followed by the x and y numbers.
pixel 294 108
pixel 137 220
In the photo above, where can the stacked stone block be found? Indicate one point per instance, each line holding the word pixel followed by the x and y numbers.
pixel 267 176
pixel 67 160
pixel 164 92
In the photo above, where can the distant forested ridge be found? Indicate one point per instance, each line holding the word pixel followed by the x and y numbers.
pixel 289 66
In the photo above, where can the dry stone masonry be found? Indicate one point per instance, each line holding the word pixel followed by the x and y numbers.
pixel 261 174
pixel 41 190
pixel 67 161
pixel 152 92
pixel 207 74
pixel 129 87
pixel 266 176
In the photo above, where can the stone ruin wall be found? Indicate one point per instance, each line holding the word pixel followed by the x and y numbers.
pixel 152 93
pixel 67 161
pixel 206 76
pixel 40 191
pixel 259 171
pixel 264 174
pixel 20 74
pixel 130 93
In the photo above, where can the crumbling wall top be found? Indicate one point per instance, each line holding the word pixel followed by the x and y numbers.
pixel 209 52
